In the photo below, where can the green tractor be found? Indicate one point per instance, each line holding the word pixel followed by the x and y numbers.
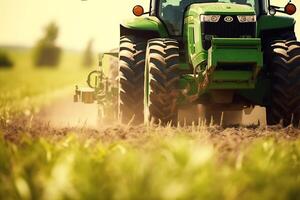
pixel 220 57
pixel 227 56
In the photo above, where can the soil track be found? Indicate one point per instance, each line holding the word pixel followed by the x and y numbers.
pixel 64 113
pixel 64 117
pixel 225 140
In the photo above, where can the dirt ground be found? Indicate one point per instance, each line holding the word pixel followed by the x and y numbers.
pixel 226 140
pixel 65 113
pixel 64 117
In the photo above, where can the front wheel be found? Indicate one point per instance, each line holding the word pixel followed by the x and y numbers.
pixel 161 81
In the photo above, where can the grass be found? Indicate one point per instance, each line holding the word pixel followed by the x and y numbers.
pixel 25 88
pixel 160 163
pixel 122 162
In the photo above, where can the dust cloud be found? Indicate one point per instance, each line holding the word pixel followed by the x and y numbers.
pixel 64 113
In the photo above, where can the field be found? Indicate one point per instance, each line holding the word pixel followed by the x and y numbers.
pixel 38 161
pixel 25 88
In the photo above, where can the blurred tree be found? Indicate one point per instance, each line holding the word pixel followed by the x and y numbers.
pixel 46 53
pixel 87 60
pixel 5 61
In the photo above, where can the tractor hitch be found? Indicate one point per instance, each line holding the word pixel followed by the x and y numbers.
pixel 84 95
pixel 101 88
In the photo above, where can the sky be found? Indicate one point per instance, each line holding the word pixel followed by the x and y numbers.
pixel 22 21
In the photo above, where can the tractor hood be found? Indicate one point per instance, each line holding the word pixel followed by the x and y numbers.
pixel 220 9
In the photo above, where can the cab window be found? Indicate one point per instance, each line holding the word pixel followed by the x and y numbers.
pixel 171 11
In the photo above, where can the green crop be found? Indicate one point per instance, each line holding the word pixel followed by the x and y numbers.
pixel 162 167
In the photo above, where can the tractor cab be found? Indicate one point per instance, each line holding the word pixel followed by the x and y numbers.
pixel 172 13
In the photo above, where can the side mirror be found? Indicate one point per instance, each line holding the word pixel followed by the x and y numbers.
pixel 138 10
pixel 289 9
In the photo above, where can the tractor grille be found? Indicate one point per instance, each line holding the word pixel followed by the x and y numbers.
pixel 223 29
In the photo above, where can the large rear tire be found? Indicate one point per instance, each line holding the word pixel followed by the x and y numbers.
pixel 131 79
pixel 284 65
pixel 161 81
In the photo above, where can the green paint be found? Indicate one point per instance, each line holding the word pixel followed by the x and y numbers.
pixel 192 29
pixel 232 80
pixel 231 86
pixel 258 95
pixel 232 76
pixel 251 83
pixel 239 50
pixel 149 23
pixel 274 22
pixel 220 9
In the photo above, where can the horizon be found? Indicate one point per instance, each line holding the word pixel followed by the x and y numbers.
pixel 71 17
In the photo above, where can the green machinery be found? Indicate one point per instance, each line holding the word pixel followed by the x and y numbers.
pixel 225 55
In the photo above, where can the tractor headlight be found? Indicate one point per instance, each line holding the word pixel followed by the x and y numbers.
pixel 246 18
pixel 210 18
